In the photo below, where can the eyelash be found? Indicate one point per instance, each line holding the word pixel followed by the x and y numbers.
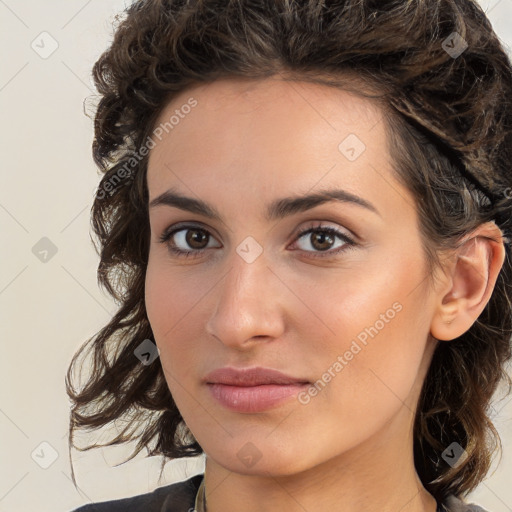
pixel 349 243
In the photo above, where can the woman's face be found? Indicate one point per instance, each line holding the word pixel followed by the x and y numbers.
pixel 343 310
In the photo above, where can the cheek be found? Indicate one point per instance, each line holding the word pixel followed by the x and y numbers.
pixel 381 324
pixel 374 381
pixel 169 308
pixel 170 302
pixel 170 296
pixel 372 304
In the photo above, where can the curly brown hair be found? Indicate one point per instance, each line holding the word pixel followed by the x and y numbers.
pixel 449 121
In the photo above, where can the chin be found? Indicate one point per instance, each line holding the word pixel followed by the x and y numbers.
pixel 258 456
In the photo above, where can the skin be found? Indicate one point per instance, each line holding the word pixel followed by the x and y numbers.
pixel 244 145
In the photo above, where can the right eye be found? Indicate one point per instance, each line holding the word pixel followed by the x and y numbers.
pixel 186 241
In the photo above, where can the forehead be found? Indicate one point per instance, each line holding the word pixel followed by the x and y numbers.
pixel 270 99
pixel 261 137
pixel 285 116
pixel 222 93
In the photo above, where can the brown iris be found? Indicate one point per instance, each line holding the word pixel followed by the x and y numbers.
pixel 325 240
pixel 196 236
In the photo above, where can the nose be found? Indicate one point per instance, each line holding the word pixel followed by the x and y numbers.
pixel 249 305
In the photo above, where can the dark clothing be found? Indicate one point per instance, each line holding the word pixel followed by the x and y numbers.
pixel 178 497
pixel 181 497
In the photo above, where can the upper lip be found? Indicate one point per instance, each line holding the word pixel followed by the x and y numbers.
pixel 250 377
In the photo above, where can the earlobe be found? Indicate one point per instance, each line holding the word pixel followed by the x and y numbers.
pixel 468 282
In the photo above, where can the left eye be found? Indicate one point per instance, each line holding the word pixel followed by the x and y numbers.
pixel 322 239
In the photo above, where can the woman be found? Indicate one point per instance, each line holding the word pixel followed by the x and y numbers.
pixel 304 217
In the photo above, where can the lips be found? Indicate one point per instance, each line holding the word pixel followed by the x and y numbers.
pixel 252 390
pixel 250 377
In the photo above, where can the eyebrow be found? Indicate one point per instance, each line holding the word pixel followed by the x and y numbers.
pixel 278 209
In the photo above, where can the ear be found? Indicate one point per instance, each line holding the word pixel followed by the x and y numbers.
pixel 468 282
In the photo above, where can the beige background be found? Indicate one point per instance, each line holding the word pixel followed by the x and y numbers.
pixel 48 309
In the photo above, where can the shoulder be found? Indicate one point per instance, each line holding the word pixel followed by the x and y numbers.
pixel 178 497
pixel 454 504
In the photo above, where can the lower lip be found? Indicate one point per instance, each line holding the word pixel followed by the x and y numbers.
pixel 254 398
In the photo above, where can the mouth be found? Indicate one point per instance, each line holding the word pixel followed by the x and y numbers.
pixel 252 390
